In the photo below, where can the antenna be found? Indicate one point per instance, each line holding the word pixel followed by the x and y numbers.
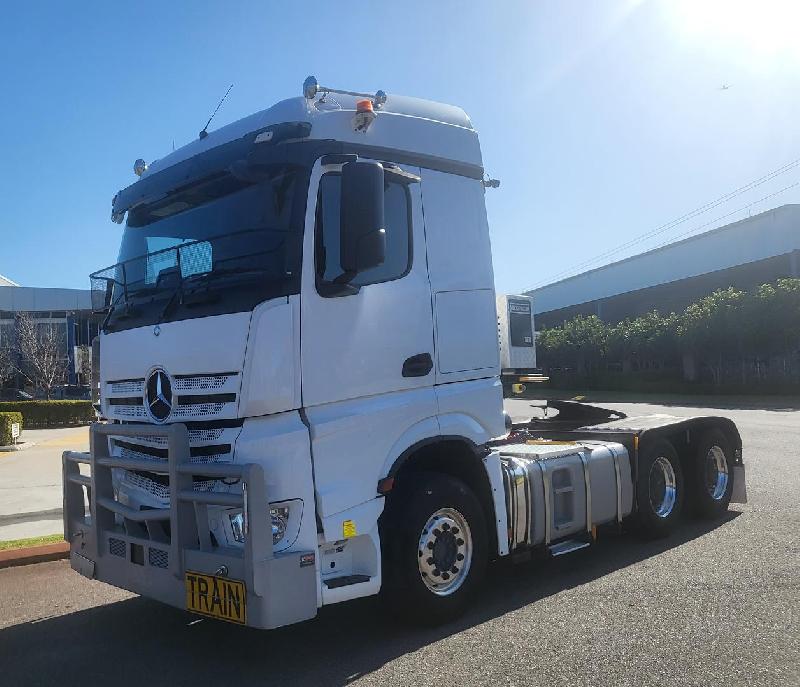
pixel 204 132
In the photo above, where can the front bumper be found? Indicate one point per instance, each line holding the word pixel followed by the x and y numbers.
pixel 149 551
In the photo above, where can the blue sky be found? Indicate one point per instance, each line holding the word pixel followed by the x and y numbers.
pixel 603 120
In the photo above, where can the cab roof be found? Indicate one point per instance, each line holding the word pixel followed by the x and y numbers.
pixel 404 123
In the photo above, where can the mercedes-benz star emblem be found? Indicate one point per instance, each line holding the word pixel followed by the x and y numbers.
pixel 159 395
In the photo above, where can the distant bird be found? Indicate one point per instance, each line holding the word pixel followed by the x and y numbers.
pixel 724 87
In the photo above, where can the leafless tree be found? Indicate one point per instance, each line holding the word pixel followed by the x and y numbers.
pixel 83 363
pixel 42 353
pixel 7 354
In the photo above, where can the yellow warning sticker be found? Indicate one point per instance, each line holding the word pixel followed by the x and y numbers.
pixel 349 529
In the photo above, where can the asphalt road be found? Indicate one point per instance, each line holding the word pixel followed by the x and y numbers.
pixel 715 604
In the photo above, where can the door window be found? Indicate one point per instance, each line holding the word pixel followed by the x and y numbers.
pixel 397 208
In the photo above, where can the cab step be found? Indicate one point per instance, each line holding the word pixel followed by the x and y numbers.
pixel 567 546
pixel 346 581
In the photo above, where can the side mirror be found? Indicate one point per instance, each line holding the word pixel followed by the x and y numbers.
pixel 362 224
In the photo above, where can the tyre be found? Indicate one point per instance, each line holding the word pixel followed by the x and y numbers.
pixel 435 547
pixel 711 479
pixel 659 489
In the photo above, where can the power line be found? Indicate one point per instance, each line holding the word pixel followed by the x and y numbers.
pixel 675 222
pixel 733 212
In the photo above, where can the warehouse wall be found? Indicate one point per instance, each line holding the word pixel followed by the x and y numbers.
pixel 762 247
pixel 675 296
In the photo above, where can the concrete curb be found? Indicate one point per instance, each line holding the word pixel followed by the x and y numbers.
pixel 21 446
pixel 34 554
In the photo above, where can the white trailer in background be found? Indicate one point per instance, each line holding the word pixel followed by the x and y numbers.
pixel 300 371
pixel 517 333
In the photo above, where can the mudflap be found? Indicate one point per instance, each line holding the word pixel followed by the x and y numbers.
pixel 739 493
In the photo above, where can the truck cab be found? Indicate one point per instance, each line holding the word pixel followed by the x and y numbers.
pixel 300 373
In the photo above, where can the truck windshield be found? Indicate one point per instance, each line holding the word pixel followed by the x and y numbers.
pixel 221 245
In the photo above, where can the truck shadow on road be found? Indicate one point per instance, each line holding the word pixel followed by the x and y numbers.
pixel 137 641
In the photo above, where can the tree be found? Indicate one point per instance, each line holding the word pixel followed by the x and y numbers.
pixel 646 339
pixel 41 347
pixel 83 363
pixel 711 328
pixel 579 343
pixel 7 367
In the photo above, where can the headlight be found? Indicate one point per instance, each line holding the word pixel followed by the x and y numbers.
pixel 279 518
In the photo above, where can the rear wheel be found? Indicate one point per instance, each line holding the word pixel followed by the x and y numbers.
pixel 712 475
pixel 659 489
pixel 435 547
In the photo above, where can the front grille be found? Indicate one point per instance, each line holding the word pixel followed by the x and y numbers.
pixel 158 485
pixel 197 410
pixel 127 386
pixel 116 547
pixel 128 412
pixel 202 383
pixel 196 437
pixel 210 396
pixel 158 558
pixel 206 445
pixel 197 454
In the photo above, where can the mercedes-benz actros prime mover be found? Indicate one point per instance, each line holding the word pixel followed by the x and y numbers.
pixel 300 381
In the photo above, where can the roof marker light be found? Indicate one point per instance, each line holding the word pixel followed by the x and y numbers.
pixel 139 167
pixel 364 115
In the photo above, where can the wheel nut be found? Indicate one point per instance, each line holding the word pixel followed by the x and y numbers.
pixel 445 527
pixel 459 556
pixel 436 573
pixel 455 530
pixel 460 541
pixel 454 570
pixel 430 546
pixel 445 576
pixel 430 561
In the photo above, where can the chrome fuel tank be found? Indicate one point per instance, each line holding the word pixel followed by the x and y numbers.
pixel 555 489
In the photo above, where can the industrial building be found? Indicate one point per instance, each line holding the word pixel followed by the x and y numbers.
pixel 753 251
pixel 69 309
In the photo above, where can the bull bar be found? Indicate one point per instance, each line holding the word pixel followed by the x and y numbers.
pixel 153 549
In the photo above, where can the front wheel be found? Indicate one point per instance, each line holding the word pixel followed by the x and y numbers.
pixel 435 547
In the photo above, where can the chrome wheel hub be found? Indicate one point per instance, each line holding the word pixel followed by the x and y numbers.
pixel 662 486
pixel 716 473
pixel 444 553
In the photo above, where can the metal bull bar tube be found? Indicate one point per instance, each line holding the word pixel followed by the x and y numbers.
pixel 152 551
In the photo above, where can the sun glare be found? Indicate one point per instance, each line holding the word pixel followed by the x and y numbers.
pixel 760 31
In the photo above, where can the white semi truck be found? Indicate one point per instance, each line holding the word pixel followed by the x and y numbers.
pixel 300 376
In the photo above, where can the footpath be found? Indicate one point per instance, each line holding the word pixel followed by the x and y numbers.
pixel 30 482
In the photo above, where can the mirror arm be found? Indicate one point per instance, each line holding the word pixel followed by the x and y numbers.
pixel 345 277
pixel 332 289
pixel 400 175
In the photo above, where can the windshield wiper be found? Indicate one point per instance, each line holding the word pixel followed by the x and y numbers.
pixel 194 283
pixel 207 277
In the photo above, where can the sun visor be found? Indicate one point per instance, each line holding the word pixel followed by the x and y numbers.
pixel 155 186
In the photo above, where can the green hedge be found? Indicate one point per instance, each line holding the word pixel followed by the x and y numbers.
pixel 730 339
pixel 6 420
pixel 40 414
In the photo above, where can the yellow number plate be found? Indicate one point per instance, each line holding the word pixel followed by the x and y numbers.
pixel 216 597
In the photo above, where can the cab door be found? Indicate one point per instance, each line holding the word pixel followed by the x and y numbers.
pixel 367 352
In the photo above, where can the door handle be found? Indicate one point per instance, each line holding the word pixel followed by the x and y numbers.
pixel 418 365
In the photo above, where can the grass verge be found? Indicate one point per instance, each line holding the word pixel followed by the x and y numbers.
pixel 31 541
